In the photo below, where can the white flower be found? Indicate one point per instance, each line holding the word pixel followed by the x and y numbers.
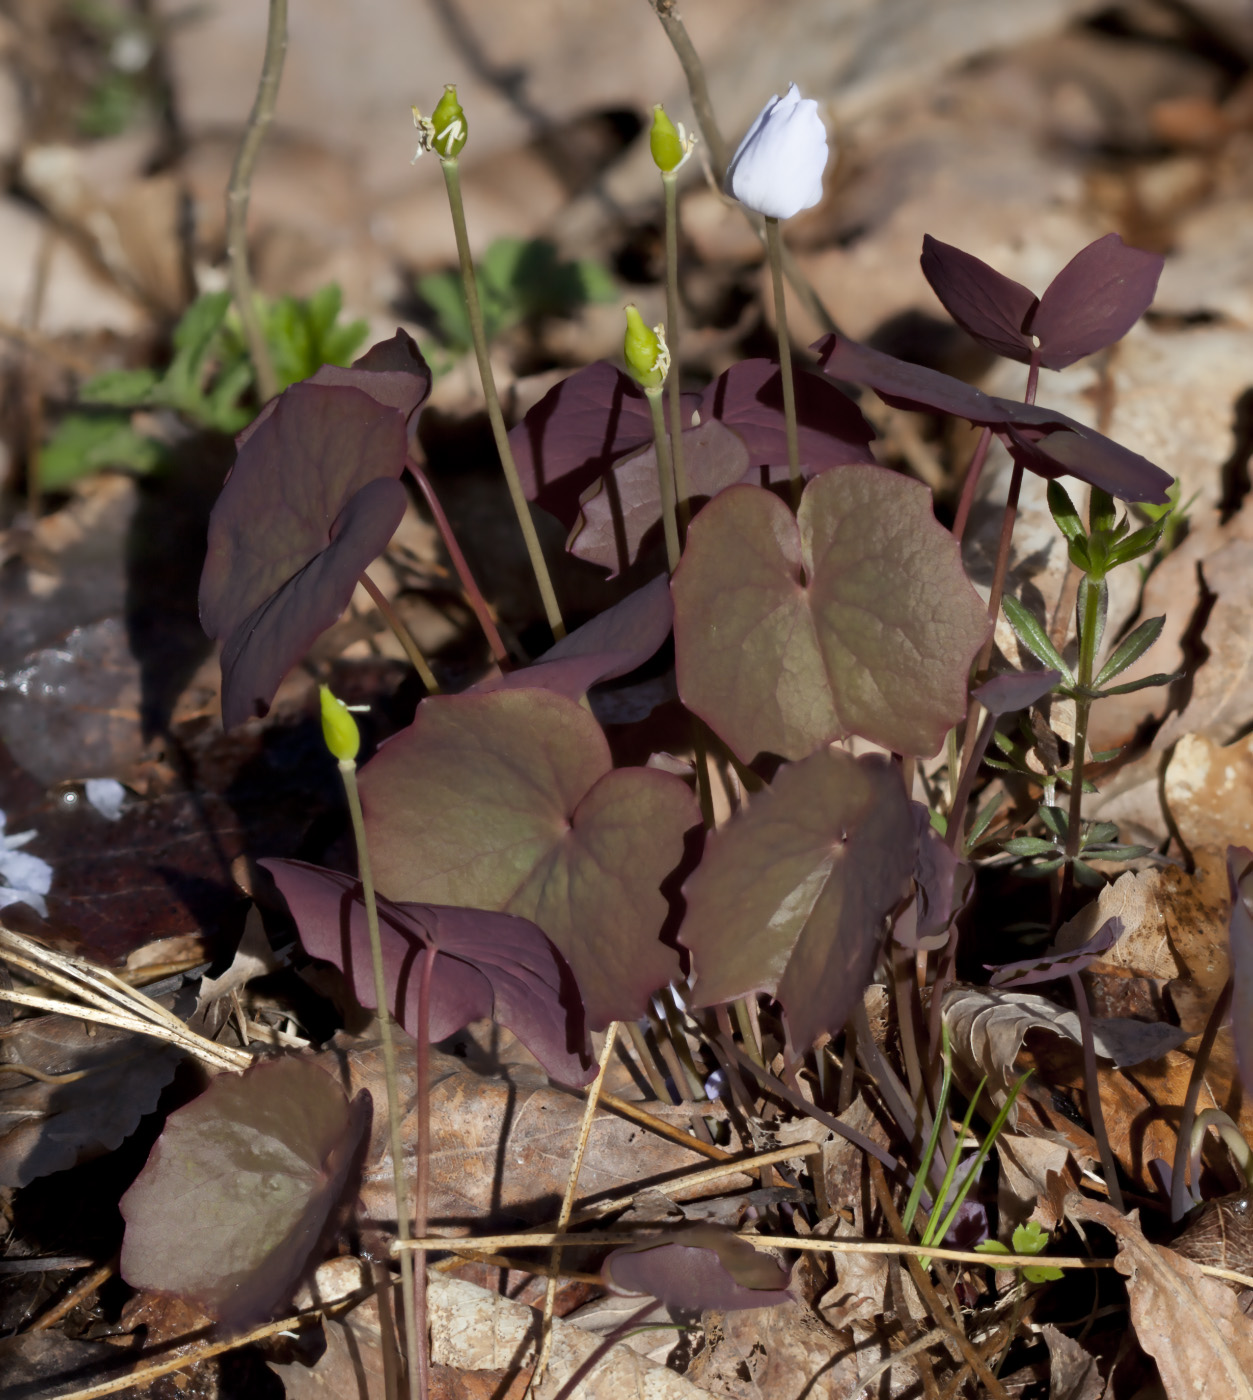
pixel 778 168
pixel 26 878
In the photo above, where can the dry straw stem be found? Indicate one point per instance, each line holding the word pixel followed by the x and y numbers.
pixel 145 1374
pixel 106 999
pixel 567 1204
pixel 237 199
pixel 402 634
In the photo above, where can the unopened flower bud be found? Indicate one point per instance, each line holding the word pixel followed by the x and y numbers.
pixel 645 351
pixel 778 168
pixel 339 729
pixel 444 131
pixel 665 142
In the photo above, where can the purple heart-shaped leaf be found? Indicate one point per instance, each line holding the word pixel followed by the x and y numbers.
pixel 855 618
pixel 904 385
pixel 1089 456
pixel 1094 300
pixel 1078 451
pixel 991 307
pixel 748 398
pixel 1015 690
pixel 623 508
pixel 510 801
pixel 240 1186
pixel 612 644
pixel 312 499
pixel 574 434
pixel 393 373
pixel 702 1266
pixel 791 894
pixel 486 964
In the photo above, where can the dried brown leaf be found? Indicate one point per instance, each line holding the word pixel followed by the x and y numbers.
pixel 1191 1325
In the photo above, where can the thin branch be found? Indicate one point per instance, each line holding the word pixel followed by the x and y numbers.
pixel 237 193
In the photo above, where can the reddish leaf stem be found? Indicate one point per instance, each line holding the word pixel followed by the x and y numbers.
pixel 474 595
pixel 1179 1202
pixel 973 472
pixel 1092 1088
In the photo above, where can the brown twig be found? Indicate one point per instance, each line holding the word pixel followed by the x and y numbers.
pixel 237 193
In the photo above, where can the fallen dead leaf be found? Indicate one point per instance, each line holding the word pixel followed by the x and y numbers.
pixel 501 1144
pixel 1191 1325
pixel 1073 1374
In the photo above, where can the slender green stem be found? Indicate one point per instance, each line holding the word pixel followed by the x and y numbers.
pixel 745 1023
pixel 665 477
pixel 422 1193
pixel 348 772
pixel 403 634
pixel 669 185
pixel 452 179
pixel 237 192
pixel 1089 625
pixel 774 250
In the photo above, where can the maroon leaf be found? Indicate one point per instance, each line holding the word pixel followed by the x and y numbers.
pixel 748 398
pixel 702 1266
pixel 904 385
pixel 393 372
pixel 621 509
pixel 1090 456
pixel 312 499
pixel 612 644
pixel 578 429
pixel 238 1190
pixel 1094 300
pixel 1015 690
pixel 935 869
pixel 986 304
pixel 791 894
pixel 1240 884
pixel 574 434
pixel 1053 965
pixel 486 964
pixel 1071 448
pixel 509 801
pixel 856 618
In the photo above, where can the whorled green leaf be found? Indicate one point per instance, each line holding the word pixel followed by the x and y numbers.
pixel 791 894
pixel 854 618
pixel 239 1188
pixel 510 801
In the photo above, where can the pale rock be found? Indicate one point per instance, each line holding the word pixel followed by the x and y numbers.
pixel 76 298
pixel 1211 268
pixel 352 73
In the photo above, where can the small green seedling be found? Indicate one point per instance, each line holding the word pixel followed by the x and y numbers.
pixel 1027 1239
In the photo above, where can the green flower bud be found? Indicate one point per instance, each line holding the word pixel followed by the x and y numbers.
pixel 449 123
pixel 339 729
pixel 645 351
pixel 665 142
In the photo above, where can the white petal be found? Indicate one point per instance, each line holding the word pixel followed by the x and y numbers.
pixel 106 795
pixel 778 167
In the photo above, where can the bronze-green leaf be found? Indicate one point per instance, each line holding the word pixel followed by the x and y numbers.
pixel 854 618
pixel 510 801
pixel 791 895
